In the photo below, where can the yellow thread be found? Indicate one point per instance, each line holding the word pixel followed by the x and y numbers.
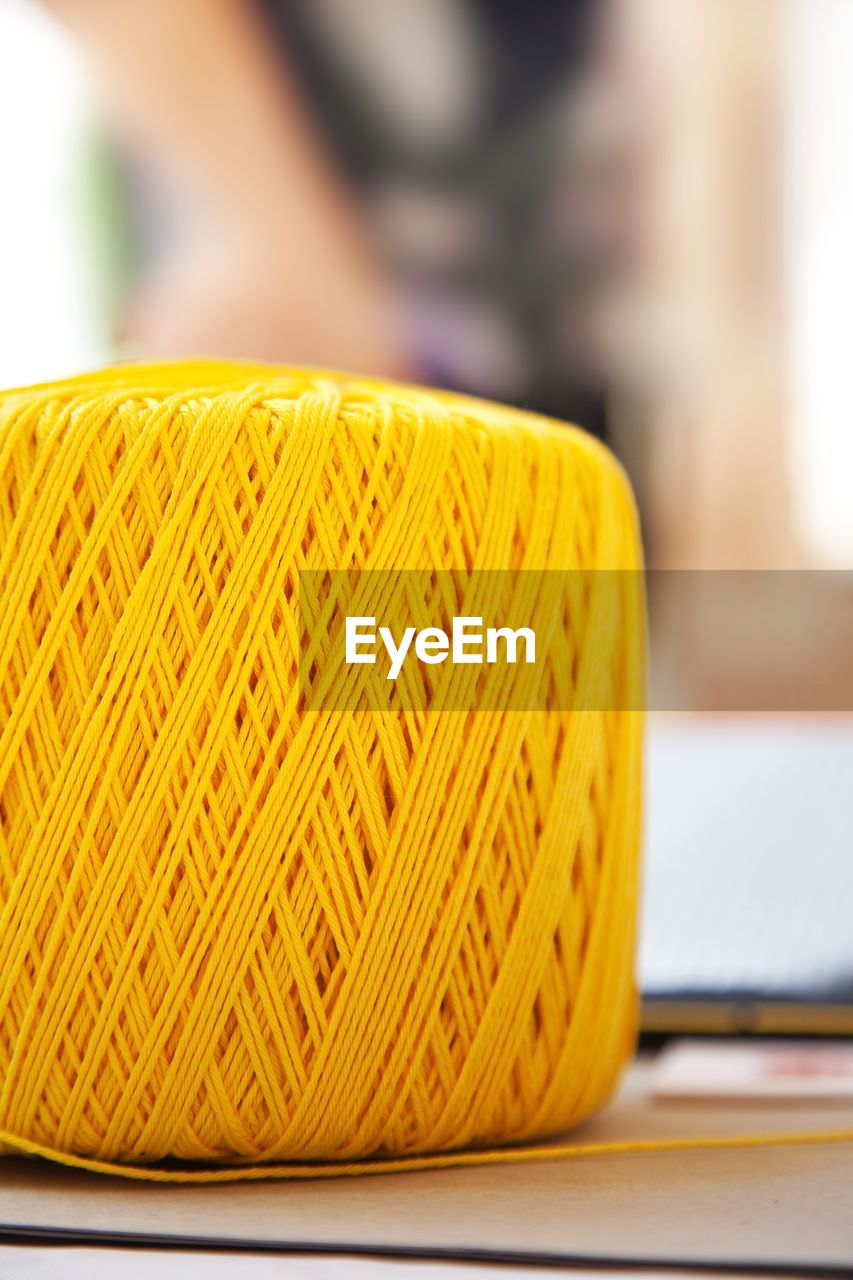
pixel 542 1153
pixel 236 934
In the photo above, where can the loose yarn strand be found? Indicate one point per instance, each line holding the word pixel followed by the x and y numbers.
pixel 541 1153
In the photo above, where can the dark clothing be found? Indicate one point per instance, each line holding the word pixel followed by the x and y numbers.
pixel 495 177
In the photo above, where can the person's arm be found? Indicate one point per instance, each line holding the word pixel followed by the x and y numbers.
pixel 198 89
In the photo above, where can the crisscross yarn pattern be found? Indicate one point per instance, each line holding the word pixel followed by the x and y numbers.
pixel 232 931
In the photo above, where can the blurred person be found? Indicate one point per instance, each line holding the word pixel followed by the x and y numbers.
pixel 574 205
pixel 378 187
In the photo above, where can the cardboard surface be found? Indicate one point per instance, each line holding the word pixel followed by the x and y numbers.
pixel 774 1208
pixel 88 1263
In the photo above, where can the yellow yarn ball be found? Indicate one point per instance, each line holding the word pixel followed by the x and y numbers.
pixel 236 931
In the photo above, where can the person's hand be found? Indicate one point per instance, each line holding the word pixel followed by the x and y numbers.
pixel 259 301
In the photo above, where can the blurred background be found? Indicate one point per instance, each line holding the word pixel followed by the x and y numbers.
pixel 629 213
pixel 632 213
pixel 635 214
